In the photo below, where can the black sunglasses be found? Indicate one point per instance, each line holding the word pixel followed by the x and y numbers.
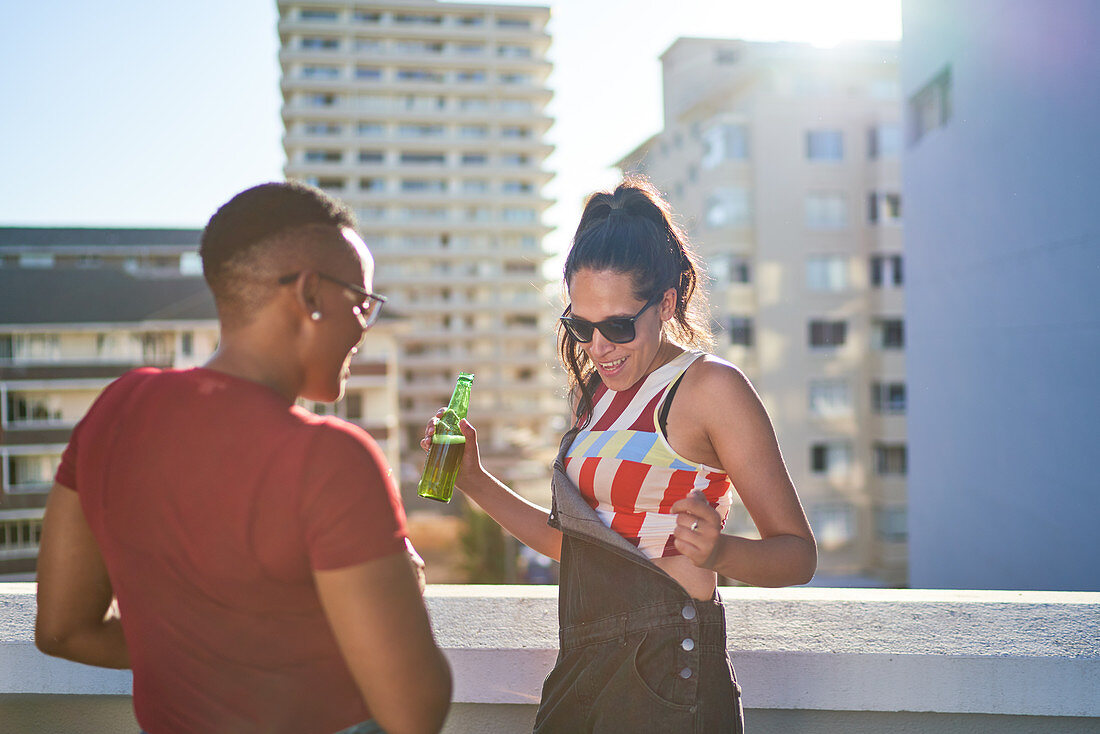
pixel 617 329
pixel 370 304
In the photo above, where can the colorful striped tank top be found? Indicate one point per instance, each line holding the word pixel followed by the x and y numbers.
pixel 628 473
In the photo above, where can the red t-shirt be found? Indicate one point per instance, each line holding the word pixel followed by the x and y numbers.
pixel 212 501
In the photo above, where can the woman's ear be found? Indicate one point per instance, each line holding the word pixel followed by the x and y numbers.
pixel 668 305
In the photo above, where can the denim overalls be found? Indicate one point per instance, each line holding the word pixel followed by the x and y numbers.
pixel 637 653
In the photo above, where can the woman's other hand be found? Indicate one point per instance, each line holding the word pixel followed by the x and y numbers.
pixel 698 533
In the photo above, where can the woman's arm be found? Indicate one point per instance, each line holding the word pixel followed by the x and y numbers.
pixel 378 618
pixel 74 593
pixel 525 520
pixel 742 438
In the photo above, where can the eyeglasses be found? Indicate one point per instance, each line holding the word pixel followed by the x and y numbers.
pixel 369 306
pixel 617 330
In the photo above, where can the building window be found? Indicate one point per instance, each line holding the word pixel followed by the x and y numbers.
pixel 368 73
pixel 726 56
pixel 830 398
pixel 725 142
pixel 832 458
pixel 353 406
pixel 423 186
pixel 886 271
pixel 322 156
pixel 419 75
pixel 320 72
pixel 824 145
pixel 20 538
pixel 420 159
pixel 417 19
pixel 891 459
pixel 366 16
pixel 891 524
pixel 516 187
pixel 471 49
pixel 515 132
pixel 827 334
pixel 514 23
pixel 470 77
pixel 728 268
pixel 888 397
pixel 475 186
pixel 475 159
pixel 888 333
pixel 322 128
pixel 884 141
pixel 883 208
pixel 187 343
pixel 514 160
pixel 322 15
pixel 519 216
pixel 826 210
pixel 374 185
pixel 930 108
pixel 827 273
pixel 741 331
pixel 728 207
pixel 319 44
pixel 514 78
pixel 36 260
pixel 371 156
pixel 833 523
pixel 421 131
pixel 32 473
pixel 513 51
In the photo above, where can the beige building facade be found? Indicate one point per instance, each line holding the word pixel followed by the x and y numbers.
pixel 428 119
pixel 783 161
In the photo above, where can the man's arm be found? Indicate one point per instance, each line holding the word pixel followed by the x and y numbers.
pixel 74 592
pixel 380 622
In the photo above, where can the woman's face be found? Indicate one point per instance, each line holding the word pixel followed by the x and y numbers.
pixel 340 328
pixel 596 295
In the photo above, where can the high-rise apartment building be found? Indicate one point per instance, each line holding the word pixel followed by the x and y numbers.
pixel 428 119
pixel 78 308
pixel 782 160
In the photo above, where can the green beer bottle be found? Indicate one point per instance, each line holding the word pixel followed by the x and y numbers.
pixel 438 480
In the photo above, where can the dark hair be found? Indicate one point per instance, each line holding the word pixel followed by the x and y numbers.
pixel 631 230
pixel 254 218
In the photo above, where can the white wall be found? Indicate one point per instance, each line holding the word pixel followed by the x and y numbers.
pixel 1003 271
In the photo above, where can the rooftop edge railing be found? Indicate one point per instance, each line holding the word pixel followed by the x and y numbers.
pixel 955 660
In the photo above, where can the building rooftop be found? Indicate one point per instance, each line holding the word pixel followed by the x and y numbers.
pixel 32 296
pixel 17 237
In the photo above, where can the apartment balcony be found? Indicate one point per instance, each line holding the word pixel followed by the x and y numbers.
pixel 78 370
pixel 36 433
pixel 821 660
pixel 449 358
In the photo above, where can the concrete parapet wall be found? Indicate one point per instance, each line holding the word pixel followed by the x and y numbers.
pixel 821 659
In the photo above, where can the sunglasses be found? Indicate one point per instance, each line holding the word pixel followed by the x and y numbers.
pixel 617 329
pixel 367 310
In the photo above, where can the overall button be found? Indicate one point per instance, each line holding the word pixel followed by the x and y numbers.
pixel 685 673
pixel 688 612
pixel 688 644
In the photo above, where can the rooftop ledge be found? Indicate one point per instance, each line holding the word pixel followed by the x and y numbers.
pixel 1015 653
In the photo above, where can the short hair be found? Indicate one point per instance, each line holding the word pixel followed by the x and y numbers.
pixel 248 227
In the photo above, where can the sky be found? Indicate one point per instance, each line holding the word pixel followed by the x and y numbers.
pixel 137 113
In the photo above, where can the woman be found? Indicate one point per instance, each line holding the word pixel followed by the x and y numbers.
pixel 257 553
pixel 662 435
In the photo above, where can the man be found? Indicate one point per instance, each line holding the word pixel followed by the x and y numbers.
pixel 257 554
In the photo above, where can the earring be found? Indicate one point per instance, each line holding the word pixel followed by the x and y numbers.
pixel 316 315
